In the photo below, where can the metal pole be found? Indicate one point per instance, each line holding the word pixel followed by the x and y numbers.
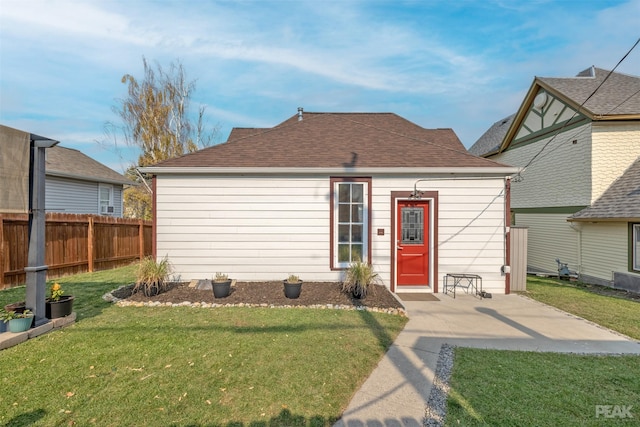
pixel 37 270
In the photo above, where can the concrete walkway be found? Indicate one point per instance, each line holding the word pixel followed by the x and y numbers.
pixel 397 391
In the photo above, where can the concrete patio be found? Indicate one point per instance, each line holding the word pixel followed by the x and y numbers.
pixel 397 391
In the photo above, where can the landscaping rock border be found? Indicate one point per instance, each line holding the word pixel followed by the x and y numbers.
pixel 110 297
pixel 437 403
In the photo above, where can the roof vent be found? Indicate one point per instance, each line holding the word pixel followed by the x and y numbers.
pixel 300 110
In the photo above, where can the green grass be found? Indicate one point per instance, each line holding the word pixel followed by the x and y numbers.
pixel 615 313
pixel 189 367
pixel 88 289
pixel 511 388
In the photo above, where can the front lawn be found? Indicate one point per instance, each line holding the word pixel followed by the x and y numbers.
pixel 513 388
pixel 189 366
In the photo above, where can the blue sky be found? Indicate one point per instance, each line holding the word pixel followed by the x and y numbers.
pixel 458 64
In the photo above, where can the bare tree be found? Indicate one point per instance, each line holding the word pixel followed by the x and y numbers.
pixel 155 118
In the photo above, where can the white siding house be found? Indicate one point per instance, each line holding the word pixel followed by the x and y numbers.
pixel 578 142
pixel 318 191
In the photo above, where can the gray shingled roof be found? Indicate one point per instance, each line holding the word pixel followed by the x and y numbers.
pixel 337 140
pixel 620 201
pixel 620 94
pixel 70 163
pixel 491 140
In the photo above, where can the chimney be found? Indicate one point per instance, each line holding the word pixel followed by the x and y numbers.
pixel 300 114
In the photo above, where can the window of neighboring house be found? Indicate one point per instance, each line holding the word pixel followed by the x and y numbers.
pixel 350 230
pixel 636 247
pixel 105 199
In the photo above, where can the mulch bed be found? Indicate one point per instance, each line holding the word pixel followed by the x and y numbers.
pixel 270 293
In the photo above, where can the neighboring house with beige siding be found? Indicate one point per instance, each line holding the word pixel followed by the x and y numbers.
pixel 320 190
pixel 576 138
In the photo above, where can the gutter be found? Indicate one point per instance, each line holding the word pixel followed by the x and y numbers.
pixel 89 178
pixel 604 219
pixel 443 171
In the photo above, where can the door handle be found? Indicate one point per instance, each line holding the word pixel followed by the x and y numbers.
pixel 399 248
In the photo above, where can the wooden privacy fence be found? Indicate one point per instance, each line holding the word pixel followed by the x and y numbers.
pixel 74 244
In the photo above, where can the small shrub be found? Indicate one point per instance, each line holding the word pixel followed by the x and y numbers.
pixel 293 278
pixel 358 278
pixel 151 276
pixel 5 316
pixel 220 277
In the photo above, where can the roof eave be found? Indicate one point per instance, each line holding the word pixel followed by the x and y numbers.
pixel 88 178
pixel 610 117
pixel 492 170
pixel 604 219
pixel 524 107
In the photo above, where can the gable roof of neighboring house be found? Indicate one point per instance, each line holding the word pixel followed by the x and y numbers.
pixel 491 140
pixel 69 163
pixel 616 97
pixel 345 141
pixel 621 201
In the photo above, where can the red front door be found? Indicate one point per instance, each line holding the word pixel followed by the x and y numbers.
pixel 412 243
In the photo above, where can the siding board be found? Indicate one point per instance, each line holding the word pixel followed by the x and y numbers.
pixel 65 195
pixel 550 236
pixel 604 249
pixel 264 228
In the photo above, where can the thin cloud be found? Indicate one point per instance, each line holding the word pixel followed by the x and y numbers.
pixel 442 64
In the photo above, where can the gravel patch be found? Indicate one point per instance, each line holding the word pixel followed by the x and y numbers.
pixel 437 403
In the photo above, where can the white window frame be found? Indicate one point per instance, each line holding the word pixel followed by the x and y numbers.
pixel 101 202
pixel 366 231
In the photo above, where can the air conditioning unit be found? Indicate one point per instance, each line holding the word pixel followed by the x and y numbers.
pixel 106 210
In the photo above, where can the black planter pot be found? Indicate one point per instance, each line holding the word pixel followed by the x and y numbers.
pixel 359 292
pixel 18 307
pixel 292 290
pixel 61 308
pixel 221 289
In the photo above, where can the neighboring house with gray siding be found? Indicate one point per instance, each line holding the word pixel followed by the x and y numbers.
pixel 578 140
pixel 76 183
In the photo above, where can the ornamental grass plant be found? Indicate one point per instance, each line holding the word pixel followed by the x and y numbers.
pixel 358 278
pixel 152 275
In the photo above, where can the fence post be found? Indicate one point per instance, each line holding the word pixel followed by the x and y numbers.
pixel 1 252
pixel 90 244
pixel 141 239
